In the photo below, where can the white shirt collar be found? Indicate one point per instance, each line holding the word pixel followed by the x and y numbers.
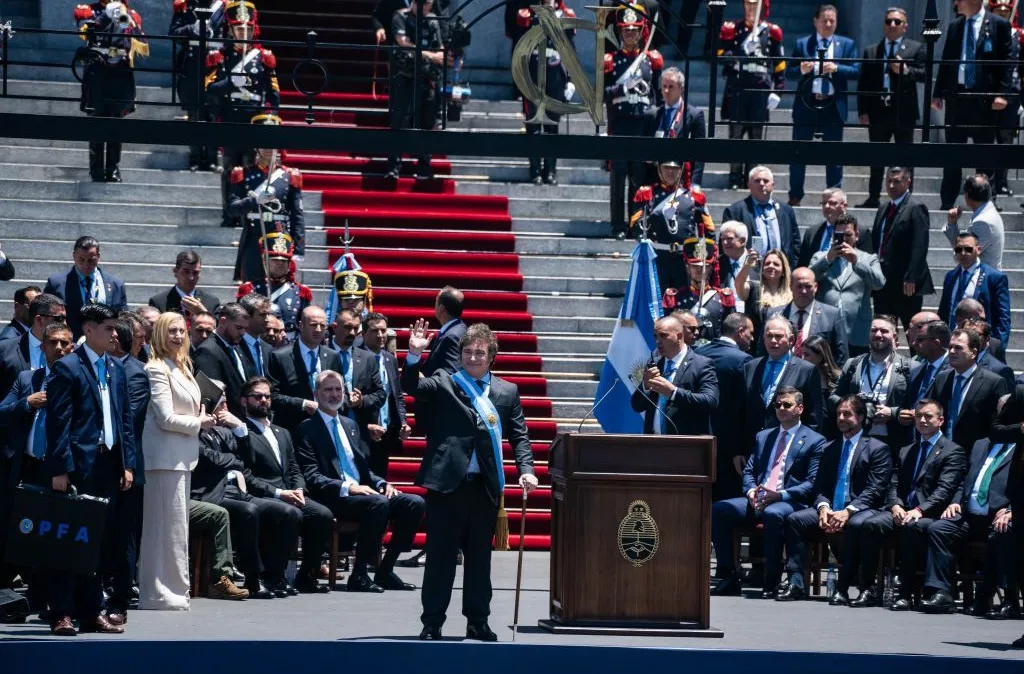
pixel 899 200
pixel 793 431
pixel 263 426
pixel 328 419
pixel 729 340
pixel 973 268
pixel 821 37
pixel 93 356
pixel 970 371
pixel 183 293
pixel 33 343
pixel 932 439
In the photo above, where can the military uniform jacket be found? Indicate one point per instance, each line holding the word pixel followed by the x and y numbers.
pixel 674 213
pixel 756 62
pixel 556 77
pixel 185 25
pixel 715 305
pixel 290 297
pixel 286 186
pixel 259 92
pixel 633 95
pixel 108 82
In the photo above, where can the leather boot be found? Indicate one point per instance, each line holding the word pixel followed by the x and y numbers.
pixel 96 162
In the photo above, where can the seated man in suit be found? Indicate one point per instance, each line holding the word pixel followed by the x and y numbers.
pixel 25 353
pixel 777 481
pixel 773 223
pixel 186 297
pixel 20 323
pixel 219 357
pixel 365 394
pixel 880 379
pixel 275 473
pixel 764 375
pixel 680 392
pixel 391 430
pixel 975 280
pixel 86 283
pixel 851 486
pixel 811 317
pixel 968 393
pixel 293 369
pixel 336 464
pixel 924 481
pixel 253 348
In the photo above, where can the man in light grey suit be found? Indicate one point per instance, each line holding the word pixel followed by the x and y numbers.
pixel 810 317
pixel 986 223
pixel 846 277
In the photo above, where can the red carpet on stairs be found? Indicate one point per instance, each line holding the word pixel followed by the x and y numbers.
pixel 412 237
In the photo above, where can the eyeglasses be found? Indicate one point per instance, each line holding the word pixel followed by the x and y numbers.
pixel 259 396
pixel 960 250
pixel 894 22
pixel 784 405
pixel 57 318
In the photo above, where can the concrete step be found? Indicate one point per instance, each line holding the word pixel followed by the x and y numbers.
pixel 132 176
pixel 99 211
pixel 166 159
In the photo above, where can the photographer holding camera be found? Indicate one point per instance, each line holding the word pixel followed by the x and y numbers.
pixel 114 36
pixel 415 82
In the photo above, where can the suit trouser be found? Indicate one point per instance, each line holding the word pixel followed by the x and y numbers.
pixel 895 303
pixel 883 133
pixel 463 519
pixel 120 560
pixel 728 514
pixel 626 176
pixel 317 529
pixel 373 511
pixel 211 519
pixel 966 117
pixel 261 523
pixel 946 537
pixel 831 129
pixel 913 539
pixel 802 526
pixel 1002 175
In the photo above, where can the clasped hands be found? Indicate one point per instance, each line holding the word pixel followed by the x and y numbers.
pixel 902 517
pixel 832 521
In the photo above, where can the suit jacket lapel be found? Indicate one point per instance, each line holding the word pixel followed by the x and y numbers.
pixel 972 392
pixel 795 446
pixel 858 451
pixel 327 442
pixel 190 387
pixel 90 374
pixel 933 453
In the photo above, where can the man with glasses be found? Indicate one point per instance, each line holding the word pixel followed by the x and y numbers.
pixel 19 325
pixel 778 479
pixel 887 92
pixel 18 355
pixel 976 280
pixel 86 283
pixel 931 344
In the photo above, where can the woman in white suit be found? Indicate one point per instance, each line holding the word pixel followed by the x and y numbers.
pixel 170 443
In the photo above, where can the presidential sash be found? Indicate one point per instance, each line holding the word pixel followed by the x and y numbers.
pixel 488 414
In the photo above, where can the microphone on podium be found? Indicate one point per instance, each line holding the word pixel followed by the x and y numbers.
pixel 597 404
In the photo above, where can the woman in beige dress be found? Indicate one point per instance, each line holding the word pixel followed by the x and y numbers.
pixel 170 444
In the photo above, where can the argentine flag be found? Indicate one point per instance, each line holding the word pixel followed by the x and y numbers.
pixel 343 263
pixel 631 345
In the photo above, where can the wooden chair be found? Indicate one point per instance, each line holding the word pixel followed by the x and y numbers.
pixel 752 533
pixel 341 529
pixel 200 549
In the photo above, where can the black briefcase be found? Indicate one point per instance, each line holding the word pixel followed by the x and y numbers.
pixel 53 530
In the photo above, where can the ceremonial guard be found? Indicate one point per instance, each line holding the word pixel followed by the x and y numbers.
pixel 632 85
pixel 355 291
pixel 114 37
pixel 556 86
pixel 703 295
pixel 755 69
pixel 189 66
pixel 669 212
pixel 267 196
pixel 290 296
pixel 1008 119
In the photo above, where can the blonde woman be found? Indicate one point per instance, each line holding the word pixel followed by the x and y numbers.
pixel 170 444
pixel 773 290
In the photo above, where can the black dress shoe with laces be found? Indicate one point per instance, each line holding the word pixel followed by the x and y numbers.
pixel 309 585
pixel 871 202
pixel 1005 612
pixel 258 590
pixel 392 582
pixel 902 604
pixel 362 583
pixel 480 632
pixel 940 602
pixel 867 598
pixel 840 598
pixel 430 633
pixel 770 593
pixel 791 593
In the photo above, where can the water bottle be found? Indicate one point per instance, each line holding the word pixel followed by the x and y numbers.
pixel 831 581
pixel 889 589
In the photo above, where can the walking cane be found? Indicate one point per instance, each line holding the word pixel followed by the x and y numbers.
pixel 519 566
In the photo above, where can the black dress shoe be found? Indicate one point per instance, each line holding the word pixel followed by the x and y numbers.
pixel 902 604
pixel 362 583
pixel 391 175
pixel 392 582
pixel 872 202
pixel 940 602
pixel 430 633
pixel 412 562
pixel 1004 191
pixel 1019 643
pixel 980 609
pixel 867 598
pixel 551 179
pixel 728 586
pixel 480 632
pixel 770 593
pixel 288 589
pixel 308 585
pixel 620 236
pixel 791 593
pixel 113 176
pixel 424 173
pixel 1005 612
pixel 537 180
pixel 258 591
pixel 840 598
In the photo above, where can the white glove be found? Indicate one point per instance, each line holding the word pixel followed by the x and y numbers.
pixel 298 259
pixel 262 197
pixel 570 91
pixel 773 101
pixel 195 27
pixel 749 47
pixel 240 80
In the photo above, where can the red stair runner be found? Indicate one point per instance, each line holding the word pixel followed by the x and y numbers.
pixel 414 236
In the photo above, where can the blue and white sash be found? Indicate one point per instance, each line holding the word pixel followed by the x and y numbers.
pixel 488 414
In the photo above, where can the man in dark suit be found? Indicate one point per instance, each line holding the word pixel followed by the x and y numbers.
pixel 21 322
pixel 444 345
pixel 970 310
pixel 274 473
pixel 264 531
pixel 974 84
pixel 924 481
pixel 391 430
pixel 729 353
pixel 880 378
pixel 470 412
pixel 675 119
pixel 968 393
pixel 18 355
pixel 975 280
pixel 366 395
pixel 986 358
pixel 774 223
pixel 764 375
pixel 810 317
pixel 827 90
pixel 292 370
pixel 852 484
pixel 220 359
pixel 201 329
pixel 90 444
pixel 186 297
pixel 887 91
pixel 777 481
pixel 899 236
pixel 679 393
pixel 86 284
pixel 931 343
pixel 336 464
pixel 253 348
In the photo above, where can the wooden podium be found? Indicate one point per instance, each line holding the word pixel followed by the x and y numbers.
pixel 631 535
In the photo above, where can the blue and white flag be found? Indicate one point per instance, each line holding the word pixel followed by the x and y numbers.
pixel 631 346
pixel 344 262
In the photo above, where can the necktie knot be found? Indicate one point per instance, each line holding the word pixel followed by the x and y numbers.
pixel 481 383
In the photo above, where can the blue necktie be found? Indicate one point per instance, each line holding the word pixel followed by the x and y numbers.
pixel 39 431
pixel 765 209
pixel 826 238
pixel 954 404
pixel 970 47
pixel 929 374
pixel 87 290
pixel 346 359
pixel 346 465
pixel 109 430
pixel 826 88
pixel 385 413
pixel 311 368
pixel 839 499
pixel 670 370
pixel 257 356
pixel 922 454
pixel 101 373
pixel 768 379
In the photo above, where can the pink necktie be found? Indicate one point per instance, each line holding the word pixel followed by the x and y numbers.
pixel 775 477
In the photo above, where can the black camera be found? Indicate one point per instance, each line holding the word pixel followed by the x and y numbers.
pixel 459 36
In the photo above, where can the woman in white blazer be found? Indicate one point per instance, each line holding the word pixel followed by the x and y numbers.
pixel 170 444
